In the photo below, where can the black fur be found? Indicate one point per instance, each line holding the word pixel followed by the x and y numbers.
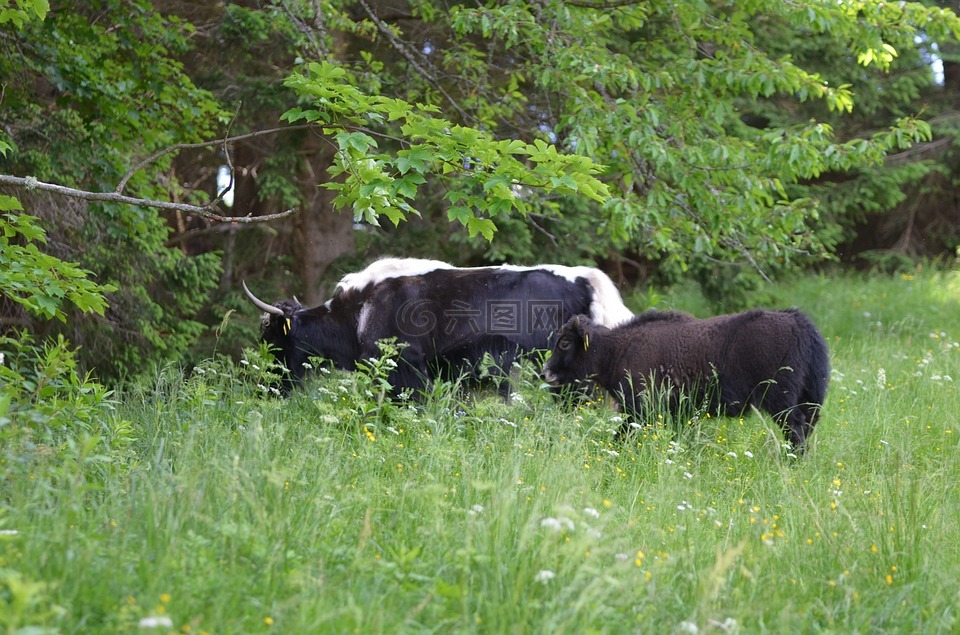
pixel 776 361
pixel 445 317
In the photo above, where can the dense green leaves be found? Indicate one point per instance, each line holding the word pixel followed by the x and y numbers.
pixel 656 93
pixel 670 136
pixel 90 91
pixel 40 282
pixel 483 175
pixel 23 11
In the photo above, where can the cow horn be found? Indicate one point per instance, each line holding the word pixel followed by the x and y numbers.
pixel 263 306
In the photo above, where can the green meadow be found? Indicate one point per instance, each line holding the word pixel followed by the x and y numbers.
pixel 201 503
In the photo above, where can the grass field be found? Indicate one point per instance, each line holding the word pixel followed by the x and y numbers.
pixel 199 504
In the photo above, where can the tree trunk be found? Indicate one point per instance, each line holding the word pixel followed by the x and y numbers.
pixel 323 234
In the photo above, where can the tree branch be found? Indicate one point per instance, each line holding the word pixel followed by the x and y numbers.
pixel 610 4
pixel 402 49
pixel 31 183
pixel 202 144
pixel 919 151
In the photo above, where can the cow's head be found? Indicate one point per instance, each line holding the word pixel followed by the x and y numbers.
pixel 570 357
pixel 276 322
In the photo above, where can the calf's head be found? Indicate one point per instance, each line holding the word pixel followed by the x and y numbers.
pixel 570 357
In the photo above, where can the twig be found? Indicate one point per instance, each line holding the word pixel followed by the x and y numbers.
pixel 550 237
pixel 312 40
pixel 202 144
pixel 919 151
pixel 611 4
pixel 402 49
pixel 31 183
pixel 226 154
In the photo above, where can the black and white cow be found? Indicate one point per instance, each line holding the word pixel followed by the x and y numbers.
pixel 443 314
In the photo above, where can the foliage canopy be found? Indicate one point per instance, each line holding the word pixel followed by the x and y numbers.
pixel 670 135
pixel 655 94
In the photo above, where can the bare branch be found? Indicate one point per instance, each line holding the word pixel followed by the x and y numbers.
pixel 31 183
pixel 202 144
pixel 550 237
pixel 402 49
pixel 309 31
pixel 610 4
pixel 919 152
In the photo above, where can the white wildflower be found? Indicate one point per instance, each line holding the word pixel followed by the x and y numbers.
pixel 156 621
pixel 307 365
pixel 732 455
pixel 728 625
pixel 9 532
pixel 748 454
pixel 590 511
pixel 476 510
pixel 687 475
pixel 690 628
pixel 557 524
pixel 881 379
pixel 507 422
pixel 544 576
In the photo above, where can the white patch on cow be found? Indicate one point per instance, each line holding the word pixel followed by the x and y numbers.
pixel 607 307
pixel 385 268
pixel 363 318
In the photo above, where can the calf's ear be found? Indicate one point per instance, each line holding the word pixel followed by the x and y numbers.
pixel 580 328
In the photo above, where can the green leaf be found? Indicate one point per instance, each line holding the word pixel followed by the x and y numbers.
pixel 484 226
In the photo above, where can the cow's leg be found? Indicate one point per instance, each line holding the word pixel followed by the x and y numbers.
pixel 790 414
pixel 796 428
pixel 631 402
pixel 411 374
pixel 502 373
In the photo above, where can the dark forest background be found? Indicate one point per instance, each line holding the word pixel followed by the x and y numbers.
pixel 736 142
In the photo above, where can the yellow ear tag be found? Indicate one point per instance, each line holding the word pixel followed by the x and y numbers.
pixel 286 326
pixel 586 341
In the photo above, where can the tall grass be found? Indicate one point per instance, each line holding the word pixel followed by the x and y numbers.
pixel 335 511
